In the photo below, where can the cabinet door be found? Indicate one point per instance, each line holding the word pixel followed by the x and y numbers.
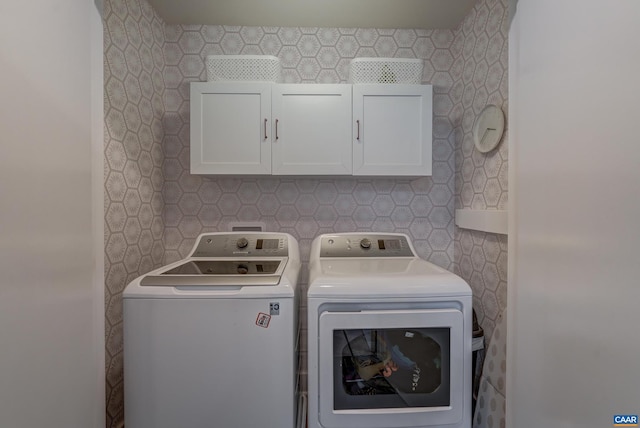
pixel 229 128
pixel 312 129
pixel 392 129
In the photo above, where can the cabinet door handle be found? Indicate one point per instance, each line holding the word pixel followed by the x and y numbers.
pixel 265 129
pixel 276 129
pixel 358 136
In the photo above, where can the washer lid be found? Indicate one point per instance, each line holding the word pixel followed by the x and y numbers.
pixel 215 272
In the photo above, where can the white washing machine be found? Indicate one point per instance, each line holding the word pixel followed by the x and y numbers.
pixel 211 340
pixel 389 336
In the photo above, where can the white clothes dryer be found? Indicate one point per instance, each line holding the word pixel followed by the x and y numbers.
pixel 389 336
pixel 211 340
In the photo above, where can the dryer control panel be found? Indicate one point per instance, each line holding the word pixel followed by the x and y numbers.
pixel 242 244
pixel 365 245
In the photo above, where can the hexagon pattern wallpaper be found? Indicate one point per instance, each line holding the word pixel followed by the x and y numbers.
pixel 134 109
pixel 480 71
pixel 154 208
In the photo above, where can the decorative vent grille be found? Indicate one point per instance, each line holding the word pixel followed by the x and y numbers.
pixel 263 68
pixel 386 70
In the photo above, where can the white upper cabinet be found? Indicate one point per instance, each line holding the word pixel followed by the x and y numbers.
pixel 312 129
pixel 392 129
pixel 230 128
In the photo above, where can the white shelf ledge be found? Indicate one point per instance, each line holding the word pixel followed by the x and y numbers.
pixel 494 221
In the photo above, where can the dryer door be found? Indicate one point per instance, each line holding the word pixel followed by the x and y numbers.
pixel 391 368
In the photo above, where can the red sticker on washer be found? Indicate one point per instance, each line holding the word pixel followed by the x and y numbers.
pixel 263 320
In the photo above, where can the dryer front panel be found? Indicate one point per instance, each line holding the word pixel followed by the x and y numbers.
pixel 391 368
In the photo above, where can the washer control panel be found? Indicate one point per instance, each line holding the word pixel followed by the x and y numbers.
pixel 242 244
pixel 365 245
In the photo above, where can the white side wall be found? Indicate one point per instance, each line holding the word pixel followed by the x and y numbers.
pixel 575 206
pixel 51 287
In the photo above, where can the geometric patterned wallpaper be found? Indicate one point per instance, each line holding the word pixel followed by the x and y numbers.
pixel 305 207
pixel 481 77
pixel 134 108
pixel 154 208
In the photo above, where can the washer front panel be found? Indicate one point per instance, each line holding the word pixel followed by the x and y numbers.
pixel 190 363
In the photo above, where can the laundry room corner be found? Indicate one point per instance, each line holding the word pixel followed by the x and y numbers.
pixel 482 178
pixel 482 190
pixel 155 208
pixel 134 110
pixel 308 206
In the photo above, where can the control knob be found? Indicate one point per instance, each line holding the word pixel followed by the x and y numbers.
pixel 365 244
pixel 242 243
